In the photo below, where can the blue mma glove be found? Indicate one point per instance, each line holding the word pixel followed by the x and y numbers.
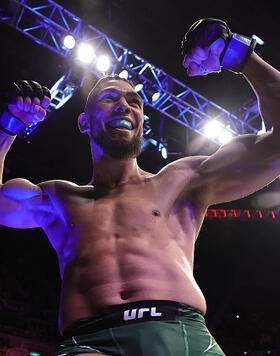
pixel 24 88
pixel 204 32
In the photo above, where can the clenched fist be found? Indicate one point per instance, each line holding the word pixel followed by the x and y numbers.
pixel 29 111
pixel 27 100
pixel 209 45
pixel 202 61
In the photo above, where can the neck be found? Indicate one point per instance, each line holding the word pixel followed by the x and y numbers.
pixel 110 173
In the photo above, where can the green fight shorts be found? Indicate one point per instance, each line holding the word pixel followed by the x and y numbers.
pixel 145 328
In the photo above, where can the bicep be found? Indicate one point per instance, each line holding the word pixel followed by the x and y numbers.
pixel 22 204
pixel 241 167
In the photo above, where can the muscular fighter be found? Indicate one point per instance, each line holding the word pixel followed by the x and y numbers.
pixel 125 242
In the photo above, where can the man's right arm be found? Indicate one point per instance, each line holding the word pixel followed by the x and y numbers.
pixel 22 204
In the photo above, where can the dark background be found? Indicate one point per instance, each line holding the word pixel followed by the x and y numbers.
pixel 237 263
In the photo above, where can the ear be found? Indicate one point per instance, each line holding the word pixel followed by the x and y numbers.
pixel 83 123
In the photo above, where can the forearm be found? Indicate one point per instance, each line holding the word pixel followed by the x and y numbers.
pixel 5 144
pixel 265 81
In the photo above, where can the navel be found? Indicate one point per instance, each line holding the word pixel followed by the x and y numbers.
pixel 124 295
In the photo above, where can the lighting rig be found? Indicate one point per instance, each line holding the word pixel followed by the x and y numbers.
pixel 64 33
pixel 54 27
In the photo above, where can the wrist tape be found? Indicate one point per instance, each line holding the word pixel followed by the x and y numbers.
pixel 10 124
pixel 237 52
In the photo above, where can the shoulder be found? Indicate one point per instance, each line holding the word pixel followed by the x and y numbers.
pixel 187 165
pixel 59 187
pixel 191 162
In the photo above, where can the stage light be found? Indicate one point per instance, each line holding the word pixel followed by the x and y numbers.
pixel 155 96
pixel 124 74
pixel 258 39
pixel 163 150
pixel 213 128
pixel 225 137
pixel 138 87
pixel 103 63
pixel 86 53
pixel 69 42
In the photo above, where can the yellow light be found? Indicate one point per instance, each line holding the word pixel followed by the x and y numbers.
pixel 225 137
pixel 213 128
pixel 86 53
pixel 69 41
pixel 103 63
pixel 124 74
pixel 155 96
pixel 138 87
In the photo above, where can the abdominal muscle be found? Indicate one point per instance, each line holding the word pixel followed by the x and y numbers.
pixel 115 269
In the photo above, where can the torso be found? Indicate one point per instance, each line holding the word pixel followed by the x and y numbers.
pixel 133 243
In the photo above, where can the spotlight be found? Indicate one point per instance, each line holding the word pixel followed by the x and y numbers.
pixel 213 128
pixel 225 137
pixel 155 96
pixel 69 42
pixel 103 63
pixel 163 150
pixel 138 87
pixel 86 53
pixel 124 74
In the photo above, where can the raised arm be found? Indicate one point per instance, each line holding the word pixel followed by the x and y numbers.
pixel 22 204
pixel 248 162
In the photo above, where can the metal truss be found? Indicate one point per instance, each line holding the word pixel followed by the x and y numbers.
pixel 46 22
pixel 250 113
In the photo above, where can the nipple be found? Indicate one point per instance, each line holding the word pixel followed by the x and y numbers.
pixel 156 212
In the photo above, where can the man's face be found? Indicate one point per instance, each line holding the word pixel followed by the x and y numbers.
pixel 117 120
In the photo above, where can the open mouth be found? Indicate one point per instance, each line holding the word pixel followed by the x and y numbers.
pixel 122 124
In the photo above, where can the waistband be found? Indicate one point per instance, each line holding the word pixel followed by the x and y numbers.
pixel 131 313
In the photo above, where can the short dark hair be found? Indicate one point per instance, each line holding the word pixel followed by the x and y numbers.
pixel 94 91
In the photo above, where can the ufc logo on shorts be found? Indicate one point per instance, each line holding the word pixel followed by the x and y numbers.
pixel 132 314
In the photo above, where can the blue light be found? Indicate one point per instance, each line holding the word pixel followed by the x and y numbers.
pixel 258 39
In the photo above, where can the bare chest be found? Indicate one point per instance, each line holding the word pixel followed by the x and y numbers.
pixel 128 212
pixel 129 219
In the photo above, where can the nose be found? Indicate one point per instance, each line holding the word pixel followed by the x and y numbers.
pixel 122 106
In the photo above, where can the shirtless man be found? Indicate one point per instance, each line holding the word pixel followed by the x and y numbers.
pixel 125 242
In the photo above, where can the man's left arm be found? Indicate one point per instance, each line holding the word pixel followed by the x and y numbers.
pixel 248 162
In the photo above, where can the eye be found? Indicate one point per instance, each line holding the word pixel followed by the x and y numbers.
pixel 136 102
pixel 108 98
